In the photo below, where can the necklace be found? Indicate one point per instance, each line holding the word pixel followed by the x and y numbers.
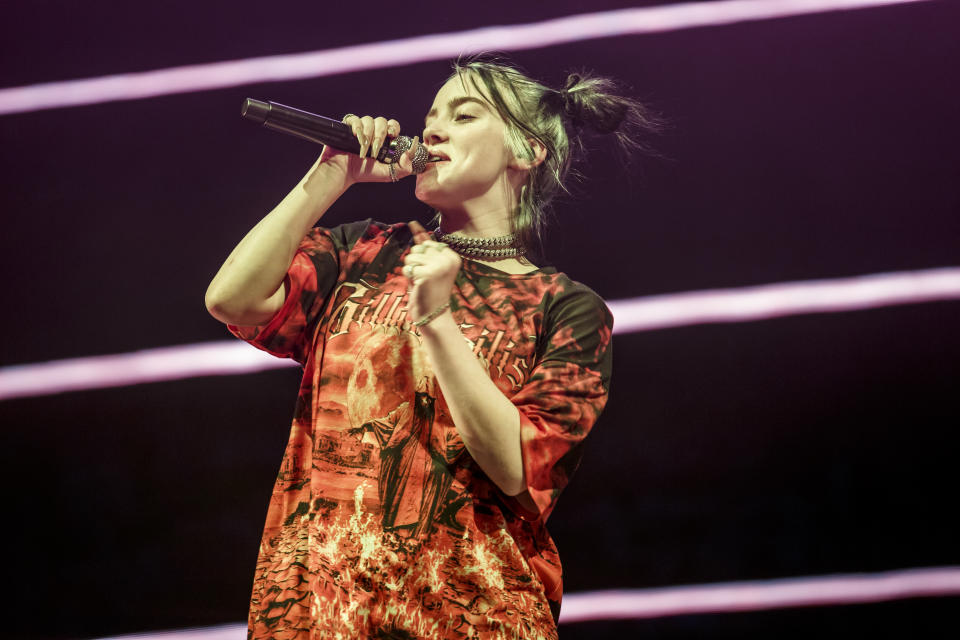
pixel 499 247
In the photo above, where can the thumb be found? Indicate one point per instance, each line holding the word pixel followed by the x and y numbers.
pixel 420 235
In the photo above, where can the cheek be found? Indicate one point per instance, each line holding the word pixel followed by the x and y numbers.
pixel 486 161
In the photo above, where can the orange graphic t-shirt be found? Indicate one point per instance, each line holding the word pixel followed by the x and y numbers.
pixel 381 525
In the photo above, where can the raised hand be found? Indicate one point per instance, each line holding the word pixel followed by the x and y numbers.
pixel 432 268
pixel 372 133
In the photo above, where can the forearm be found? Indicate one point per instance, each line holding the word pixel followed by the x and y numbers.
pixel 487 421
pixel 247 288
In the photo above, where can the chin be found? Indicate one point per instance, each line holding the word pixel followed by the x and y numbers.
pixel 429 192
pixel 441 194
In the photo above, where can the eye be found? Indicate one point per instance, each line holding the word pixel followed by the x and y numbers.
pixel 463 116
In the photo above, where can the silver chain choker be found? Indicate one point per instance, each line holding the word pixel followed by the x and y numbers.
pixel 500 247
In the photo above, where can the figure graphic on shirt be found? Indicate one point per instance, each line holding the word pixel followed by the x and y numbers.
pixel 414 477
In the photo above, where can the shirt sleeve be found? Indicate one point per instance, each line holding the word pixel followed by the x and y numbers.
pixel 564 395
pixel 311 278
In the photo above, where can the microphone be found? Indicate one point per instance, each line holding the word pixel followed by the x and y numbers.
pixel 314 128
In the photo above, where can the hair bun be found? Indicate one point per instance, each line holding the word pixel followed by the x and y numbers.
pixel 557 119
pixel 570 106
pixel 588 103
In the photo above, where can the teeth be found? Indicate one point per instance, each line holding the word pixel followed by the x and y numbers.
pixel 435 159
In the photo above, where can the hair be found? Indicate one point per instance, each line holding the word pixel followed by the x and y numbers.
pixel 558 119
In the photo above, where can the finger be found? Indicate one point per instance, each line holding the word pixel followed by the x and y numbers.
pixel 415 271
pixel 417 258
pixel 355 126
pixel 379 135
pixel 420 234
pixel 412 151
pixel 393 128
pixel 433 244
pixel 367 124
pixel 406 160
pixel 419 248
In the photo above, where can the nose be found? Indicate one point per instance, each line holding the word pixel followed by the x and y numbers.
pixel 433 133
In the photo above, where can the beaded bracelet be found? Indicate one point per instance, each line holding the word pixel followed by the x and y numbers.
pixel 433 315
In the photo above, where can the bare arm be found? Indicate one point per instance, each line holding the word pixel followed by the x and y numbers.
pixel 248 288
pixel 486 420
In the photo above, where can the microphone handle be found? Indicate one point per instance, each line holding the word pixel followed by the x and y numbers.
pixel 310 126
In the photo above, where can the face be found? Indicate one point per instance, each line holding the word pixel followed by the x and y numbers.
pixel 468 133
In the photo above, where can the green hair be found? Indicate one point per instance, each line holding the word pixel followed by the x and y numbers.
pixel 558 119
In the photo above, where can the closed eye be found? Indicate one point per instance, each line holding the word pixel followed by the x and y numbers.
pixel 460 117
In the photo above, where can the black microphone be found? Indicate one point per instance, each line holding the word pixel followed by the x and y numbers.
pixel 314 128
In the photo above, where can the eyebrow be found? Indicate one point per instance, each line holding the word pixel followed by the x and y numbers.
pixel 456 102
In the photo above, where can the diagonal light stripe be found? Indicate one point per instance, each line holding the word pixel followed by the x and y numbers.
pixel 731 597
pixel 785 299
pixel 394 53
pixel 761 595
pixel 122 369
pixel 639 314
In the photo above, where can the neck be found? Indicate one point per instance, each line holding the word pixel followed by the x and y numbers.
pixel 488 224
pixel 486 214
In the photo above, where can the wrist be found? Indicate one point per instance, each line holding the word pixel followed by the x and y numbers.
pixel 332 176
pixel 436 320
pixel 432 315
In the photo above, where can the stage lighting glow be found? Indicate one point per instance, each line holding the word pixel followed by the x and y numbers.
pixel 785 299
pixel 395 53
pixel 149 365
pixel 760 595
pixel 732 597
pixel 638 314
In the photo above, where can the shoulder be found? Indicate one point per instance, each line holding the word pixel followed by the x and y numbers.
pixel 367 232
pixel 577 327
pixel 570 302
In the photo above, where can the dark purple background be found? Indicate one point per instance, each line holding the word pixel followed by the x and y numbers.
pixel 811 147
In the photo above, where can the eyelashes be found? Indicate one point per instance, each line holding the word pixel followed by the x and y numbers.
pixel 460 117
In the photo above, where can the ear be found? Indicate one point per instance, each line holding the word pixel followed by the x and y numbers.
pixel 536 153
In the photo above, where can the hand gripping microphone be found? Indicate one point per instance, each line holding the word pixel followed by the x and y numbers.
pixel 314 128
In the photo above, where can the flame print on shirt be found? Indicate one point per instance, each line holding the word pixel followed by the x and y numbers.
pixel 367 582
pixel 380 524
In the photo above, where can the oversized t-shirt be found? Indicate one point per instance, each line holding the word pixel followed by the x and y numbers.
pixel 381 524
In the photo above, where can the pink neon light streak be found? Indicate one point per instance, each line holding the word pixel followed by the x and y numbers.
pixel 441 46
pixel 785 299
pixel 761 595
pixel 638 314
pixel 122 369
pixel 729 597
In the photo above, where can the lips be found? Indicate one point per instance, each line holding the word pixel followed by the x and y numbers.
pixel 436 156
